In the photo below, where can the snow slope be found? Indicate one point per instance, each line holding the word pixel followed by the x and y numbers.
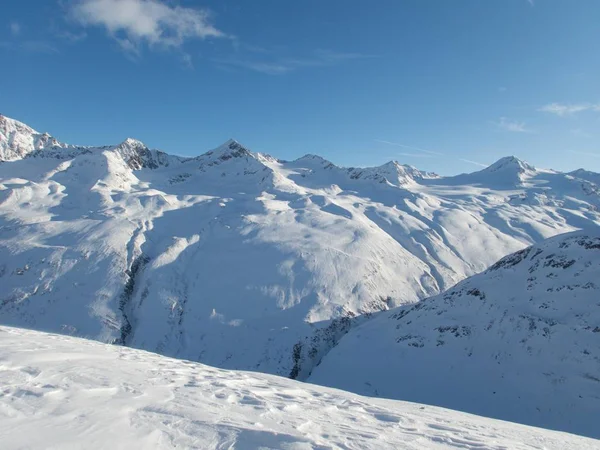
pixel 65 393
pixel 519 342
pixel 242 261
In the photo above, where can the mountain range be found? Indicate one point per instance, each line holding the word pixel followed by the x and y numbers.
pixel 520 342
pixel 243 261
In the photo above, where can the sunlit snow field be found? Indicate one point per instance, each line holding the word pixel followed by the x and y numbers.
pixel 65 393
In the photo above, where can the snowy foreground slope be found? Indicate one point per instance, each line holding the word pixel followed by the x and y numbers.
pixel 242 261
pixel 64 393
pixel 519 342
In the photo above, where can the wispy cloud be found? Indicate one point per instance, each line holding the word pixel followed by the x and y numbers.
pixel 473 162
pixel 531 2
pixel 409 147
pixel 413 155
pixel 569 109
pixel 39 47
pixel 134 23
pixel 512 125
pixel 15 28
pixel 269 68
pixel 424 153
pixel 186 58
pixel 272 64
pixel 70 36
pixel 30 46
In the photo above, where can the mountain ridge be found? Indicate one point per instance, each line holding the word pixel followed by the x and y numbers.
pixel 519 342
pixel 243 261
pixel 44 141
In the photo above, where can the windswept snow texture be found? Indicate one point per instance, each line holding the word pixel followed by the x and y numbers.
pixel 60 392
pixel 242 261
pixel 519 342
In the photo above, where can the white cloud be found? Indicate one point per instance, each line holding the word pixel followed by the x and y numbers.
pixel 15 28
pixel 133 23
pixel 569 109
pixel 512 125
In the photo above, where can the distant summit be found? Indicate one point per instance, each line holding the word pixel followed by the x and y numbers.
pixel 393 172
pixel 510 164
pixel 18 140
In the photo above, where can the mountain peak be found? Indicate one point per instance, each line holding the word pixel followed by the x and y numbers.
pixel 512 164
pixel 18 140
pixel 315 161
pixel 311 157
pixel 135 154
pixel 131 142
pixel 391 172
pixel 6 123
pixel 586 175
pixel 228 150
pixel 507 172
pixel 399 166
pixel 232 141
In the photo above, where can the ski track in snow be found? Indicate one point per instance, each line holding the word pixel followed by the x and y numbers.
pixel 59 392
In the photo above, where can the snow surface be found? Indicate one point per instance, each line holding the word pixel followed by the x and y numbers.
pixel 242 261
pixel 519 342
pixel 65 393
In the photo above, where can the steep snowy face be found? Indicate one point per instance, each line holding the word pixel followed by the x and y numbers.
pixel 519 342
pixel 586 175
pixel 137 156
pixel 233 157
pixel 230 149
pixel 244 261
pixel 510 164
pixel 506 173
pixel 18 140
pixel 62 392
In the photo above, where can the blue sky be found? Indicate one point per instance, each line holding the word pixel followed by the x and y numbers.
pixel 443 85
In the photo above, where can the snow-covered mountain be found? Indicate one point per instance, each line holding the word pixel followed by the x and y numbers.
pixel 519 342
pixel 18 140
pixel 243 261
pixel 60 392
